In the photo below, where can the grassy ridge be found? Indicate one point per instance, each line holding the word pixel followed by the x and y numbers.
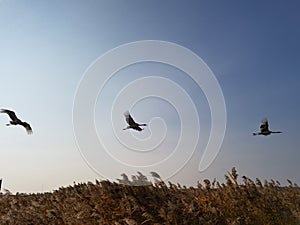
pixel 250 202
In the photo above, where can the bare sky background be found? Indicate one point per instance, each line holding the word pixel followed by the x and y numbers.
pixel 45 47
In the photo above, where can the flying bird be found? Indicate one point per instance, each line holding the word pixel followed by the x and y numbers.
pixel 16 121
pixel 264 129
pixel 132 124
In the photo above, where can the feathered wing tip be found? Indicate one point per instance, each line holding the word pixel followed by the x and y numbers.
pixel 126 113
pixel 264 127
pixel 10 113
pixel 265 122
pixel 29 131
pixel 28 128
pixel 4 111
pixel 128 118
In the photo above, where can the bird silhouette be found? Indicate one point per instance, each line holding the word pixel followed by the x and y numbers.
pixel 16 121
pixel 264 129
pixel 132 124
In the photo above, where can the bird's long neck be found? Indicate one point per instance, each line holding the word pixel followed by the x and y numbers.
pixel 276 132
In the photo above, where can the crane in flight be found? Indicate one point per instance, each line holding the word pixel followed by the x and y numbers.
pixel 16 121
pixel 264 129
pixel 131 123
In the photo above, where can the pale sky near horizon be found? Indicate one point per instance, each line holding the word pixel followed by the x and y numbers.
pixel 46 47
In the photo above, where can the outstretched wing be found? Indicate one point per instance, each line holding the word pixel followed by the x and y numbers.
pixel 10 113
pixel 264 126
pixel 27 127
pixel 129 119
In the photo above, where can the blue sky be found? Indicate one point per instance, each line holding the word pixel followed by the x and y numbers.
pixel 252 48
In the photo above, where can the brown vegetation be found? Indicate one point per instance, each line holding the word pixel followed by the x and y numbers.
pixel 118 203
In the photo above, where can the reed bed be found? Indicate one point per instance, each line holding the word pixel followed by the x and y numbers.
pixel 157 202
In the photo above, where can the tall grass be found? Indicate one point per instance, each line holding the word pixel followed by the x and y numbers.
pixel 105 202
